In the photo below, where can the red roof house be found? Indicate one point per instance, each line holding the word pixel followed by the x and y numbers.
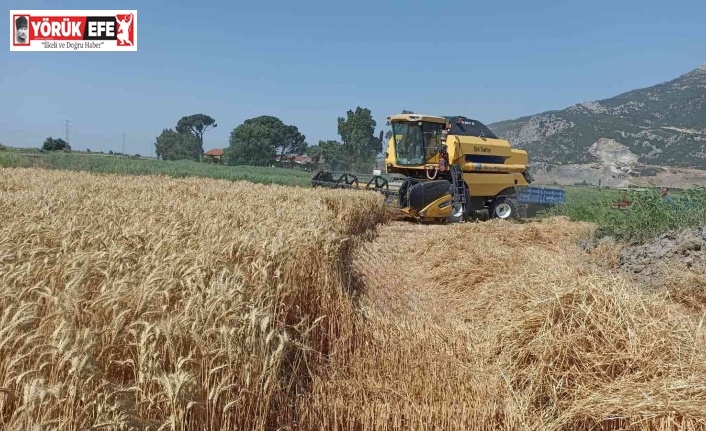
pixel 296 159
pixel 216 152
pixel 214 155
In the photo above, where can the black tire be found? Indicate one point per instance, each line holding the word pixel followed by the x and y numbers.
pixel 504 208
pixel 532 210
pixel 404 190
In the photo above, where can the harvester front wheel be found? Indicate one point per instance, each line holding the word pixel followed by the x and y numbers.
pixel 504 208
pixel 460 212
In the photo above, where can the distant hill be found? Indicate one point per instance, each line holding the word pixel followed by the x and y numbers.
pixel 660 125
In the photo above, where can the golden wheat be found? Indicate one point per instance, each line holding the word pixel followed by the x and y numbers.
pixel 147 303
pixel 139 303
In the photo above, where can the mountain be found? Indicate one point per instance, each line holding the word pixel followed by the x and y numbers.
pixel 662 125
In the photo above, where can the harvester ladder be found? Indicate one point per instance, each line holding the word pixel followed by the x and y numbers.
pixel 459 185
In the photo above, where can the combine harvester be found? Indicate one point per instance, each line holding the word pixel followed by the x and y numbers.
pixel 443 168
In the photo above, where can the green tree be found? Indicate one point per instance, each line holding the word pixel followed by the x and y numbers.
pixel 197 125
pixel 329 153
pixel 172 145
pixel 51 144
pixel 258 141
pixel 292 142
pixel 357 131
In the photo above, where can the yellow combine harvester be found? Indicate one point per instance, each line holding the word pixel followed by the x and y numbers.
pixel 441 168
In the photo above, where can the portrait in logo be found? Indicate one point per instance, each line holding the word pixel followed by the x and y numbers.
pixel 22 30
pixel 124 23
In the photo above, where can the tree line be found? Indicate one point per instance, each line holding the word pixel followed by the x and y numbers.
pixel 262 140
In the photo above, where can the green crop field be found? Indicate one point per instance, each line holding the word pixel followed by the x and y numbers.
pixel 648 216
pixel 115 164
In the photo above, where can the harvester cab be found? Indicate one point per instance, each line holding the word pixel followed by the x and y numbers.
pixel 442 168
pixel 432 187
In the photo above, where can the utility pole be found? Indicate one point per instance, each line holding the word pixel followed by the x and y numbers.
pixel 123 143
pixel 67 131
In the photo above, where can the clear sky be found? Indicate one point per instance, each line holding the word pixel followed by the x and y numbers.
pixel 308 62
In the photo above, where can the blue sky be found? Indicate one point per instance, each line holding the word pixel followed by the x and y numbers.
pixel 308 62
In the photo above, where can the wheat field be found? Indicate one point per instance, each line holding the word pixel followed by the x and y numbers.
pixel 143 302
pixel 146 303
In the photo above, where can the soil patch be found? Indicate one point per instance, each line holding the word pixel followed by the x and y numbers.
pixel 650 263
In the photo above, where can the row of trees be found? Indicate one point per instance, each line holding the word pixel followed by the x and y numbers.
pixel 260 140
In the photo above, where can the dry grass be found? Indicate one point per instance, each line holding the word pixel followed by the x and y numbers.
pixel 607 254
pixel 147 303
pixel 686 286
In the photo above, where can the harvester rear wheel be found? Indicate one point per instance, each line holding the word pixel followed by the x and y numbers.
pixel 504 208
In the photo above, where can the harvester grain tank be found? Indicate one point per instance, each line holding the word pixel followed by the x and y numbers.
pixel 445 167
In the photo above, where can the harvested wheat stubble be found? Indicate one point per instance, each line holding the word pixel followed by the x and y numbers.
pixel 503 326
pixel 136 303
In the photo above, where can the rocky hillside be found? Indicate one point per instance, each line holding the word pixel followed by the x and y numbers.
pixel 660 125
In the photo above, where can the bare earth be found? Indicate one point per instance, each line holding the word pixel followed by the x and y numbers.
pixel 617 166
